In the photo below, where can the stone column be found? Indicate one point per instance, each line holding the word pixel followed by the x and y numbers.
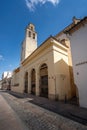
pixel 29 82
pixel 37 82
pixel 21 81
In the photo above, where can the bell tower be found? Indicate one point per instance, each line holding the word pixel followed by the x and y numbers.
pixel 30 42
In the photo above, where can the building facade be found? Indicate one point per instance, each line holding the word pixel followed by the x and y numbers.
pixel 0 84
pixel 6 80
pixel 78 38
pixel 45 71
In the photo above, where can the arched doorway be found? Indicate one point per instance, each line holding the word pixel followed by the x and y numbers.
pixel 26 83
pixel 33 82
pixel 44 80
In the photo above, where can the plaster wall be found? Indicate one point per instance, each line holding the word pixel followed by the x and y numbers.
pixel 55 56
pixel 15 82
pixel 79 57
pixel 45 56
pixel 62 76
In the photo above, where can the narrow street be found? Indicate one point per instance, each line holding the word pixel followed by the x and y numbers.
pixel 21 114
pixel 8 118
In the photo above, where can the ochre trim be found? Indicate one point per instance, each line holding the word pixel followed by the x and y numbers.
pixel 17 70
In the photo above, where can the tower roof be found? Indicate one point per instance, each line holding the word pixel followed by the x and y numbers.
pixel 31 27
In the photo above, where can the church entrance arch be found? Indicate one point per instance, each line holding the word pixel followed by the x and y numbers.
pixel 33 81
pixel 26 83
pixel 44 80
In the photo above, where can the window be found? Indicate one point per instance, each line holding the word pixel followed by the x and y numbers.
pixel 29 34
pixel 33 35
pixel 32 28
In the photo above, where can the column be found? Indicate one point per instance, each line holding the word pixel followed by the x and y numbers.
pixel 29 82
pixel 37 82
pixel 21 81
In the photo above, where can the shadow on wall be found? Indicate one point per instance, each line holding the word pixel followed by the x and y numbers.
pixel 74 89
pixel 77 93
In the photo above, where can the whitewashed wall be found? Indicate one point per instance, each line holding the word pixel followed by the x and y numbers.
pixel 79 56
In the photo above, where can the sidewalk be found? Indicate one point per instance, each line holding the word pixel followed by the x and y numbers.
pixel 70 111
pixel 8 118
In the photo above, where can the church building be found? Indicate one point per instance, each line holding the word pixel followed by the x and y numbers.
pixel 45 70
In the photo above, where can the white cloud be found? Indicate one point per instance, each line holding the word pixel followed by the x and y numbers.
pixel 1 57
pixel 32 3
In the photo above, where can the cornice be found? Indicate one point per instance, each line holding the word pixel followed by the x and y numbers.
pixel 46 44
pixel 17 70
pixel 76 26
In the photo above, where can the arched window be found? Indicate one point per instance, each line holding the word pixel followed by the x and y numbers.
pixel 31 28
pixel 33 35
pixel 29 34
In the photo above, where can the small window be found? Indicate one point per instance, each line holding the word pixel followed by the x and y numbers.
pixel 29 34
pixel 33 35
pixel 32 28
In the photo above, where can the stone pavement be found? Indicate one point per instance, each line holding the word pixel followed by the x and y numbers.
pixel 28 109
pixel 8 118
pixel 70 111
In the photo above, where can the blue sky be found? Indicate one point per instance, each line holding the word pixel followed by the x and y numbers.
pixel 49 17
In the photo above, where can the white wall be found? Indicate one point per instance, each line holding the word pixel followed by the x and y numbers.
pixel 79 56
pixel 6 74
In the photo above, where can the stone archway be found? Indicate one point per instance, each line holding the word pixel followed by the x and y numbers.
pixel 26 83
pixel 44 80
pixel 33 81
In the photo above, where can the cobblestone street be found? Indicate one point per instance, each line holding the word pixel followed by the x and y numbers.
pixel 38 118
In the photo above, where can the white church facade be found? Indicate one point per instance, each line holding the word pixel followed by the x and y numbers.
pixel 44 70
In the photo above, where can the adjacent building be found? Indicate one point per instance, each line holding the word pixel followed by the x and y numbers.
pixel 78 39
pixel 0 84
pixel 6 80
